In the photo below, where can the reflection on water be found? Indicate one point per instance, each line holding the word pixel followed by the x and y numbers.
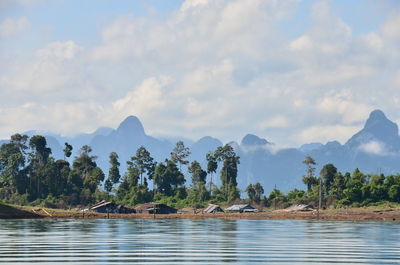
pixel 212 241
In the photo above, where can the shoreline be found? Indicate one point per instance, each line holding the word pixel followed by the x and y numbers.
pixel 350 214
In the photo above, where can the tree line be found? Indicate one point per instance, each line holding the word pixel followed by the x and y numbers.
pixel 339 189
pixel 30 175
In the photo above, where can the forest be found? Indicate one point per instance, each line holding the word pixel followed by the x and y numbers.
pixel 29 175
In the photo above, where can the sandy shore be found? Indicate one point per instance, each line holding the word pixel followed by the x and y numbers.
pixel 351 214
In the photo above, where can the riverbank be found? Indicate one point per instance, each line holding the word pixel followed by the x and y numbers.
pixel 350 214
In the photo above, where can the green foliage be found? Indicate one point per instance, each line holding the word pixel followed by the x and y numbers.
pixel 113 173
pixel 227 156
pixel 198 174
pixel 180 153
pixel 275 199
pixel 255 192
pixel 67 150
pixel 198 194
pixel 143 162
pixel 296 196
pixel 168 178
pixel 309 179
pixel 328 173
pixel 30 175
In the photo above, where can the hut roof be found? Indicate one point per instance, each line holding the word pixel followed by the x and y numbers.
pixel 147 206
pixel 300 207
pixel 100 204
pixel 240 207
pixel 212 207
pixel 152 205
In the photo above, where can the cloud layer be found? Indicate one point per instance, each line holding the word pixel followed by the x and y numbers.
pixel 221 68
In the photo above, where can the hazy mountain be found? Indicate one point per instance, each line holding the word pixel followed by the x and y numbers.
pixel 374 149
pixel 125 140
pixel 310 147
pixel 379 130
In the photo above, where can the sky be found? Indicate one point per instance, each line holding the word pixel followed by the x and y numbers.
pixel 291 72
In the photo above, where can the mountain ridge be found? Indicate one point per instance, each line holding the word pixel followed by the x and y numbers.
pixel 375 148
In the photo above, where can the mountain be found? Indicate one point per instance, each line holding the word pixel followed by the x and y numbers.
pixel 310 147
pixel 125 140
pixel 253 140
pixel 374 149
pixel 378 129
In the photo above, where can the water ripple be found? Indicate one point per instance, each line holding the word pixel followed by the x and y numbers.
pixel 210 241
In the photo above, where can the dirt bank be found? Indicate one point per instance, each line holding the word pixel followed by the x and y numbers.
pixel 352 214
pixel 9 212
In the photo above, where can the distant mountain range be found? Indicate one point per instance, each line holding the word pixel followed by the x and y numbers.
pixel 374 149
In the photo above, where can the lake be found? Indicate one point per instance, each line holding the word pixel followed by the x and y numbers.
pixel 200 241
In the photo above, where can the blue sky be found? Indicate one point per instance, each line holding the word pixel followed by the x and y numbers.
pixel 289 71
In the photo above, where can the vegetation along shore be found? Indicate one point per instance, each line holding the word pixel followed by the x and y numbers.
pixel 43 187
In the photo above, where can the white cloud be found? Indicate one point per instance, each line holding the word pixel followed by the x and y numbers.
pixel 60 50
pixel 275 122
pixel 301 44
pixel 10 26
pixel 342 105
pixel 193 4
pixel 373 41
pixel 220 68
pixel 323 134
pixel 374 148
pixel 52 69
pixel 391 27
pixel 143 101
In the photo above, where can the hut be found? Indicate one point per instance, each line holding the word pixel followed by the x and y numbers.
pixel 155 208
pixel 300 207
pixel 213 208
pixel 110 207
pixel 240 208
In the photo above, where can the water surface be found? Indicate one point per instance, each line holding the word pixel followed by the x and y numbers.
pixel 209 241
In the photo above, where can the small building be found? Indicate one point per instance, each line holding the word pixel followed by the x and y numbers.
pixel 110 207
pixel 155 208
pixel 240 208
pixel 300 207
pixel 213 208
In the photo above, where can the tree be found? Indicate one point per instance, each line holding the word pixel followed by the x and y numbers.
pixel 20 140
pixel 229 170
pixel 212 166
pixel 199 190
pixel 251 192
pixel 309 179
pixel 108 185
pixel 354 187
pixel 328 173
pixel 180 153
pixel 12 162
pixel 168 178
pixel 255 192
pixel 198 174
pixel 259 192
pixel 85 162
pixel 67 150
pixel 38 159
pixel 275 197
pixel 338 185
pixel 85 176
pixel 143 162
pixel 295 196
pixel 113 172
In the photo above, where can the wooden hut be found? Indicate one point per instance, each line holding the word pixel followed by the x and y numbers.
pixel 110 207
pixel 213 208
pixel 157 208
pixel 240 208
